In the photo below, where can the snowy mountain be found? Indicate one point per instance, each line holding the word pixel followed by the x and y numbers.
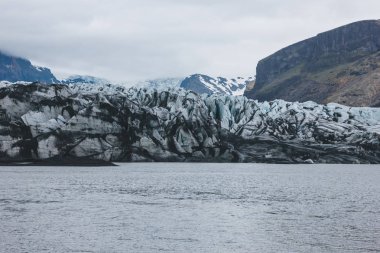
pixel 15 69
pixel 112 123
pixel 198 83
pixel 216 85
pixel 159 84
pixel 78 79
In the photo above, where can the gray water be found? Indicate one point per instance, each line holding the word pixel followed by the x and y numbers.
pixel 190 208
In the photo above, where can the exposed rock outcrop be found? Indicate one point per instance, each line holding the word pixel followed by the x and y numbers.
pixel 341 65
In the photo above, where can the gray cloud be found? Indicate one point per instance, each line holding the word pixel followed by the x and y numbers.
pixel 139 39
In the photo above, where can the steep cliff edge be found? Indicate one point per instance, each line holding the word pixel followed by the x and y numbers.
pixel 341 65
pixel 111 123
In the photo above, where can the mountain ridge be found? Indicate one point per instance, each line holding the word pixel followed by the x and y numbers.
pixel 17 69
pixel 204 84
pixel 341 65
pixel 13 68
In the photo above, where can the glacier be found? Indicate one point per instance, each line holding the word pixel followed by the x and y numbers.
pixel 105 122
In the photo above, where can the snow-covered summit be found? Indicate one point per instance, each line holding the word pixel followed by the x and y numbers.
pixel 216 85
pixel 13 69
pixel 201 84
pixel 158 84
pixel 78 79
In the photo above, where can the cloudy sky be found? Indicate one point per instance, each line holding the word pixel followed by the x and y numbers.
pixel 142 39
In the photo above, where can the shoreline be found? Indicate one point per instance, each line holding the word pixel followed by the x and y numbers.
pixel 79 163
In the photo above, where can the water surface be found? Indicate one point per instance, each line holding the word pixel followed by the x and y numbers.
pixel 190 208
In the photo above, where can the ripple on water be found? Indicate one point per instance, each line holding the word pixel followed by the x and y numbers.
pixel 191 208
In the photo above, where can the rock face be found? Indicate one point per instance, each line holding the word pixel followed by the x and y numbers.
pixel 203 84
pixel 341 65
pixel 110 123
pixel 18 69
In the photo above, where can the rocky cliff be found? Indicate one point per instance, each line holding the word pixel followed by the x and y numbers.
pixel 341 65
pixel 18 69
pixel 110 123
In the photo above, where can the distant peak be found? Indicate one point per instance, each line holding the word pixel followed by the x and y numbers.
pixel 204 84
pixel 14 68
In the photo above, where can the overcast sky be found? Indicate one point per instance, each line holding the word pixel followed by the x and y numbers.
pixel 142 39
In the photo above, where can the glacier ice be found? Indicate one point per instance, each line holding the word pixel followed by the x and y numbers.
pixel 113 123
